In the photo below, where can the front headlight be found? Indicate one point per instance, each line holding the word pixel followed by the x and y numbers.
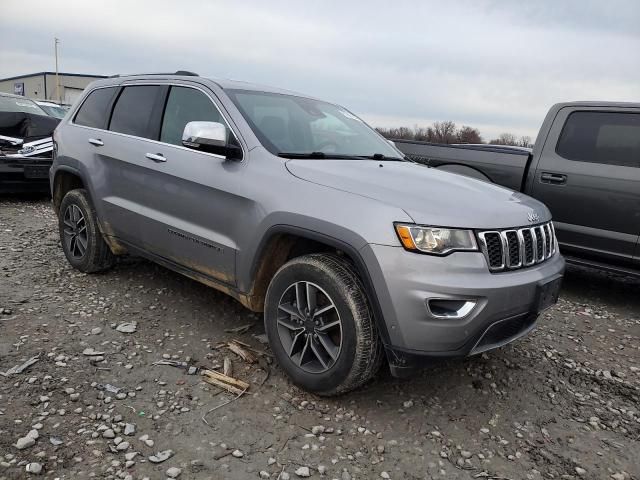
pixel 435 240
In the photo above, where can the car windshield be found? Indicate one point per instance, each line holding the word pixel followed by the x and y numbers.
pixel 54 111
pixel 22 105
pixel 292 126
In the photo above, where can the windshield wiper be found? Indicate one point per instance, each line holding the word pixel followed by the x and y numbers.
pixel 379 156
pixel 329 156
pixel 302 155
pixel 337 156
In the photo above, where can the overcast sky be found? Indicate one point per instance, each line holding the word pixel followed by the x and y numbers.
pixel 497 65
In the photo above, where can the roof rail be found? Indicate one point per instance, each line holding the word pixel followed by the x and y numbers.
pixel 185 73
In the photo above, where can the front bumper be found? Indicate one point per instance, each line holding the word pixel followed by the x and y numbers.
pixel 24 174
pixel 506 303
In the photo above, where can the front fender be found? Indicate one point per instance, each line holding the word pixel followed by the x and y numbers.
pixel 345 240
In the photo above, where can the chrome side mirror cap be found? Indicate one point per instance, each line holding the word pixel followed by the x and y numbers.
pixel 206 136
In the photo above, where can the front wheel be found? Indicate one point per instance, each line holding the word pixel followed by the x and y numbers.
pixel 320 326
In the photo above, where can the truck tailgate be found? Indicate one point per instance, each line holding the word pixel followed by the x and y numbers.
pixel 502 165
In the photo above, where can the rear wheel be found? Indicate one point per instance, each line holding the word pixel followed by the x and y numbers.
pixel 320 326
pixel 80 235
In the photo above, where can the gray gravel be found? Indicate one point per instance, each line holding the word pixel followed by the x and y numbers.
pixel 563 403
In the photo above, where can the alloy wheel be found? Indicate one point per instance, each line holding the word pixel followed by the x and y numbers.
pixel 309 327
pixel 75 231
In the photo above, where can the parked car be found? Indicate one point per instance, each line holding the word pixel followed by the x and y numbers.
pixel 25 145
pixel 298 209
pixel 585 166
pixel 53 109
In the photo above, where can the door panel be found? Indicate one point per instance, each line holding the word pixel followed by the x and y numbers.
pixel 178 209
pixel 172 201
pixel 188 210
pixel 595 203
pixel 122 162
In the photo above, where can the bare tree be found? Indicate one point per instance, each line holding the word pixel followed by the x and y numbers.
pixel 505 139
pixel 468 134
pixel 424 134
pixel 439 132
pixel 525 141
pixel 444 132
pixel 402 133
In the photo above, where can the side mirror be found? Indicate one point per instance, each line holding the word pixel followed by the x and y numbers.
pixel 212 137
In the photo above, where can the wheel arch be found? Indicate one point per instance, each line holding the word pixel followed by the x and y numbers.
pixel 65 179
pixel 283 242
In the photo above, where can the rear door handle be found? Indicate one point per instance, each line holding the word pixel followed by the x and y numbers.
pixel 96 141
pixel 156 157
pixel 555 178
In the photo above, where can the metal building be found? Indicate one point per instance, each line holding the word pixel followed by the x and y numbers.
pixel 42 86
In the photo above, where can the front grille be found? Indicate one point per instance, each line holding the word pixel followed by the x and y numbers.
pixel 493 245
pixel 517 248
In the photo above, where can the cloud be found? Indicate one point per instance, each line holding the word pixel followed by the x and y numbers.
pixel 495 65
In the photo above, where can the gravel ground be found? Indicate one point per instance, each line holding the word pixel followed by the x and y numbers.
pixel 562 403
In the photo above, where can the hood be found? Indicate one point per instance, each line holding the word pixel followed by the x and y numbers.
pixel 429 196
pixel 26 134
pixel 27 126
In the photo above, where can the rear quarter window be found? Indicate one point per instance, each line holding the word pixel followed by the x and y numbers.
pixel 611 138
pixel 94 111
pixel 138 111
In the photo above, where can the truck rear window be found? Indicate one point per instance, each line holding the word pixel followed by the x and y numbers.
pixel 611 138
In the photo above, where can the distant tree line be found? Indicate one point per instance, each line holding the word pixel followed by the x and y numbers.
pixel 511 139
pixel 448 132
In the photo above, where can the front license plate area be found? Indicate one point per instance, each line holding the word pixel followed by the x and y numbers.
pixel 36 171
pixel 548 294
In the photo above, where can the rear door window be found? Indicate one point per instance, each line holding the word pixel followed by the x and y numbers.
pixel 611 138
pixel 138 111
pixel 186 105
pixel 94 111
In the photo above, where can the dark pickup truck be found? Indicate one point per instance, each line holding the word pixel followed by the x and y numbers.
pixel 585 166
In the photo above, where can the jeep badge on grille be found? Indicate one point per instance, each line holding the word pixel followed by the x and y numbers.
pixel 533 217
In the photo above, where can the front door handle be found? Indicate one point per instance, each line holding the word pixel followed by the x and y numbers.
pixel 96 141
pixel 555 178
pixel 156 157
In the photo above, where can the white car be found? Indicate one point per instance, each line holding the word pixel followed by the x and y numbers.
pixel 53 109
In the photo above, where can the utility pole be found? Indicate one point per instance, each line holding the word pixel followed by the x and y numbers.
pixel 56 42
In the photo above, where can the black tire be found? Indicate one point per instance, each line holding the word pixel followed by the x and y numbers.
pixel 360 353
pixel 96 255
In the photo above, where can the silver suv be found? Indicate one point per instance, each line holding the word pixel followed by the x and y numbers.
pixel 298 209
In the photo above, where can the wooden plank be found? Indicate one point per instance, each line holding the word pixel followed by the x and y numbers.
pixel 226 379
pixel 223 385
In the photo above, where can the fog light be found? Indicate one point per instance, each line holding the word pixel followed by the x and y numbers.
pixel 446 308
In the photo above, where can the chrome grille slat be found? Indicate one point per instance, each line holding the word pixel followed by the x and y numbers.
pixel 505 249
pixel 516 248
pixel 512 248
pixel 540 245
pixel 550 242
pixel 529 247
pixel 534 236
pixel 491 245
pixel 521 246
